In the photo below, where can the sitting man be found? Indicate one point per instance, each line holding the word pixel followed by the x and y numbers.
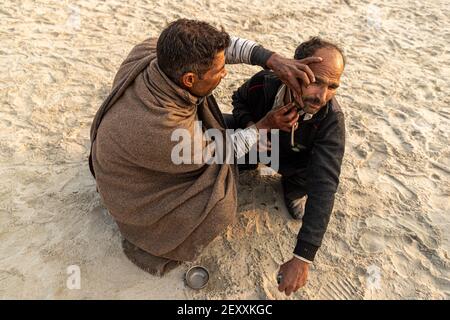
pixel 168 212
pixel 310 154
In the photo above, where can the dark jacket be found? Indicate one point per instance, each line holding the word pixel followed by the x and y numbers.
pixel 322 140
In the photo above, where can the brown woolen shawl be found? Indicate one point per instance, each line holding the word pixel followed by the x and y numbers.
pixel 171 211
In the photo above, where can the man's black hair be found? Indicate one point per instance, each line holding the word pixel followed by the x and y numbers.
pixel 189 46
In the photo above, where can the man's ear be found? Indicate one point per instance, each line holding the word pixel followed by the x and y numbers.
pixel 188 79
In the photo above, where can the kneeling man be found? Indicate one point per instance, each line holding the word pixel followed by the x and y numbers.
pixel 310 152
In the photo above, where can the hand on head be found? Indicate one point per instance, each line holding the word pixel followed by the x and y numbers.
pixel 293 72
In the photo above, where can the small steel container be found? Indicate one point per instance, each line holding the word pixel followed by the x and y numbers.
pixel 197 277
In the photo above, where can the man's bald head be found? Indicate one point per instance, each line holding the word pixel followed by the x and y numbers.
pixel 308 48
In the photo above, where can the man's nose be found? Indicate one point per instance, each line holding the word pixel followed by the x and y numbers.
pixel 321 95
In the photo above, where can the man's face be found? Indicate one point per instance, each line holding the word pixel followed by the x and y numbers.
pixel 211 79
pixel 328 75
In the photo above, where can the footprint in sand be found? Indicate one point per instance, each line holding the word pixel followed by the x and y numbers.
pixel 361 151
pixel 420 137
pixel 394 136
pixel 435 177
pixel 340 288
pixel 397 188
pixel 399 116
pixel 441 168
pixel 372 242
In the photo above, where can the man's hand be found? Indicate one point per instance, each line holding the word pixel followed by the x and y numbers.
pixel 294 275
pixel 282 118
pixel 292 72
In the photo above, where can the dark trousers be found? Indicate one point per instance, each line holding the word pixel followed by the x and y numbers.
pixel 294 185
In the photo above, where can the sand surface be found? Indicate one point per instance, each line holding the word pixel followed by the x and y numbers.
pixel 389 234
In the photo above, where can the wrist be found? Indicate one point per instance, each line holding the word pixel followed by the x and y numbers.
pixel 270 63
pixel 299 264
pixel 304 260
pixel 249 124
pixel 260 55
pixel 262 124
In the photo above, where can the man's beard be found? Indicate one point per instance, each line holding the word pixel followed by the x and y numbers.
pixel 312 105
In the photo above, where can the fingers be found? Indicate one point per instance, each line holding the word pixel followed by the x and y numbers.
pixel 288 117
pixel 287 127
pixel 292 81
pixel 289 290
pixel 285 117
pixel 290 123
pixel 308 72
pixel 304 72
pixel 299 285
pixel 283 286
pixel 293 121
pixel 300 73
pixel 281 272
pixel 289 283
pixel 284 109
pixel 287 107
pixel 310 60
pixel 286 288
pixel 298 98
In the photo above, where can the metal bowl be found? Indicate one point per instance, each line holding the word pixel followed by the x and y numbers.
pixel 197 277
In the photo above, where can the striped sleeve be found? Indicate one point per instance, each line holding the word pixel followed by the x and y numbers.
pixel 243 140
pixel 239 51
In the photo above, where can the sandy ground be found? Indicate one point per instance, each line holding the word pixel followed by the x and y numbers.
pixel 389 234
